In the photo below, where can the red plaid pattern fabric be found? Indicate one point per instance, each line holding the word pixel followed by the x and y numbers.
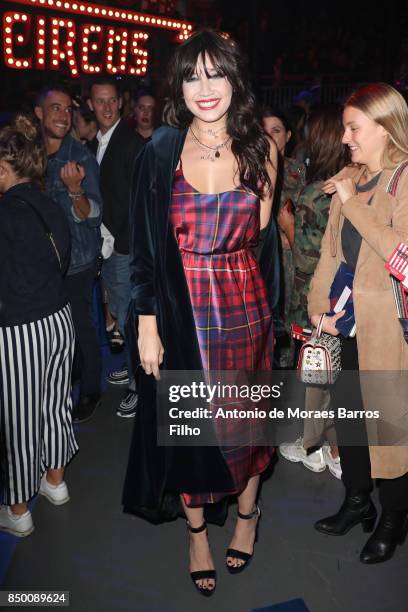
pixel 216 234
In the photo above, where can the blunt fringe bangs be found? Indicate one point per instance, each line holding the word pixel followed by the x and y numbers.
pixel 249 143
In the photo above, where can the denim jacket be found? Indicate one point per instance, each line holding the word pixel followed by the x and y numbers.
pixel 85 233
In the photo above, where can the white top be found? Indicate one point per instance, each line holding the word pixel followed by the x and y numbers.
pixel 104 141
pixel 108 239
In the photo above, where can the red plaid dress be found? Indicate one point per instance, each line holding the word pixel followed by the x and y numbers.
pixel 216 234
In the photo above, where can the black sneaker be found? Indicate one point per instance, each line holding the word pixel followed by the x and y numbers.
pixel 119 377
pixel 84 410
pixel 128 405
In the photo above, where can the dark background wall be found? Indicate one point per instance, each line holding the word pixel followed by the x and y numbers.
pixel 289 43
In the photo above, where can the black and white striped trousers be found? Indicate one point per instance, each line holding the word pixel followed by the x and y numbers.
pixel 35 402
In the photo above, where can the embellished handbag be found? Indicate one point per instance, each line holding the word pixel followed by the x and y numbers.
pixel 319 358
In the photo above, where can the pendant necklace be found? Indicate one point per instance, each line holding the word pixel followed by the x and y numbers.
pixel 209 153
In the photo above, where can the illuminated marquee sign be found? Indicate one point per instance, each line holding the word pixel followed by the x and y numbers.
pixel 42 41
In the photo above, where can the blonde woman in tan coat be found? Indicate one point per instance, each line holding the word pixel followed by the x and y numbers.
pixel 365 225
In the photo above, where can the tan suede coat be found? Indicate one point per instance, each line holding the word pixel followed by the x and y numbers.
pixel 381 347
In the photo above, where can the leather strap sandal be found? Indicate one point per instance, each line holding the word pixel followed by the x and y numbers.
pixel 240 554
pixel 202 574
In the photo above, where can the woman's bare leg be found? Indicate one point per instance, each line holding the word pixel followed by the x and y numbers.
pixel 19 508
pixel 244 534
pixel 200 554
pixel 334 450
pixel 55 477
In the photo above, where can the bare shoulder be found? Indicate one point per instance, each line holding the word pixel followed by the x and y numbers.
pixel 272 162
pixel 273 151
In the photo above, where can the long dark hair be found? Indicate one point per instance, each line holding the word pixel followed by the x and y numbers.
pixel 250 145
pixel 327 154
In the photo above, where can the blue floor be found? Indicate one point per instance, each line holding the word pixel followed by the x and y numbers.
pixel 294 605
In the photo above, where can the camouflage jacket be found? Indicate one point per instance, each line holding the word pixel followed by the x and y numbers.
pixel 311 216
pixel 290 185
pixel 293 180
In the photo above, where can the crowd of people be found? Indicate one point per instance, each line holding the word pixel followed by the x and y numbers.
pixel 208 237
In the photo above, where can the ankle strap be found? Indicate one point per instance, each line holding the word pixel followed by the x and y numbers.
pixel 202 527
pixel 251 515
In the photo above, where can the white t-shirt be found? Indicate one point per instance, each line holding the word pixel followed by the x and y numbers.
pixel 108 239
pixel 103 140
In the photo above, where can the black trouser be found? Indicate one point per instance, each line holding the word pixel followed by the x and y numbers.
pixel 87 352
pixel 355 459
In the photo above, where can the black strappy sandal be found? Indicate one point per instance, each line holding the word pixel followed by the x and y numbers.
pixel 202 574
pixel 239 554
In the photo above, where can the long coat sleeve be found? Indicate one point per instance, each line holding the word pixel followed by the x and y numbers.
pixel 381 346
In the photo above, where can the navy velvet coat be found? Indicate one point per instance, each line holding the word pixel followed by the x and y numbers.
pixel 156 475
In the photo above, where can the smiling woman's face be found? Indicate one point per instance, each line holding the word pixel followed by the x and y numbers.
pixel 207 94
pixel 365 138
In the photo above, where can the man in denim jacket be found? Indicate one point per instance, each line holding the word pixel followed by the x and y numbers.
pixel 72 180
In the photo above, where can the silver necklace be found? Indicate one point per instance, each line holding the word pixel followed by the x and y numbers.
pixel 209 153
pixel 210 131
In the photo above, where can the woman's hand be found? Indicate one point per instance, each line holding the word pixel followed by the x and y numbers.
pixel 345 188
pixel 286 222
pixel 150 347
pixel 286 219
pixel 329 187
pixel 329 322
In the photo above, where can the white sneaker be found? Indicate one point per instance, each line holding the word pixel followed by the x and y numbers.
pixel 56 494
pixel 333 464
pixel 294 451
pixel 20 525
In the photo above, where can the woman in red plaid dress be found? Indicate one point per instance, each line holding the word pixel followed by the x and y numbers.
pixel 221 199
